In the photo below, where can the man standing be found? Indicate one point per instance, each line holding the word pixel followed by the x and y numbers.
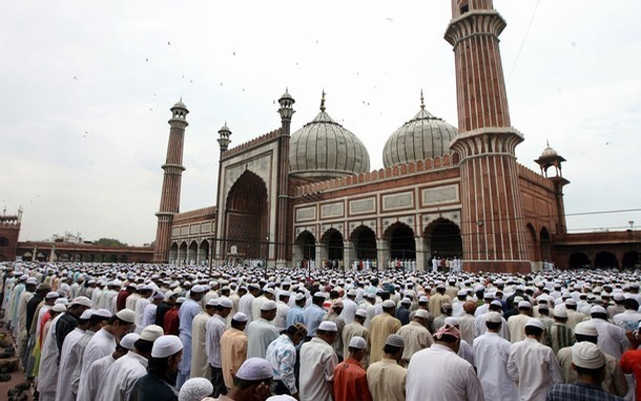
pixel 516 323
pixel 438 299
pixel 69 320
pixel 261 332
pixel 415 335
pixel 295 314
pixel 158 383
pixel 386 378
pixel 589 363
pixel 532 365
pixel 214 332
pixel 356 328
pixel 318 360
pixel 281 353
pixel 69 359
pixel 381 327
pixel 437 373
pixel 612 338
pixel 560 334
pixel 282 309
pixel 233 348
pixel 199 363
pixel 186 315
pixel 350 379
pixel 491 352
pixel 315 313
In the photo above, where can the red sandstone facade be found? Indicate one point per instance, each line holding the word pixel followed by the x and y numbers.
pixel 9 233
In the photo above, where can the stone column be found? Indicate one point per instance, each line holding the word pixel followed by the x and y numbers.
pixel 382 254
pixel 321 253
pixel 420 254
pixel 348 251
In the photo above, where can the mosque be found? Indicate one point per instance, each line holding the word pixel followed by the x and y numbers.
pixel 308 196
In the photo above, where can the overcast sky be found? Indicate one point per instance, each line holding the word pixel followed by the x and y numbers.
pixel 86 89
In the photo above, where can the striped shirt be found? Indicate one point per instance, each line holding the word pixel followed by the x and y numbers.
pixel 561 336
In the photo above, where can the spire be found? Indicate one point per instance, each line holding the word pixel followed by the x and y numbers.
pixel 547 143
pixel 422 101
pixel 322 106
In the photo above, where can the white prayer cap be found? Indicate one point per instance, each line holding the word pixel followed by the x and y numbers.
pixel 451 320
pixel 299 296
pixel 52 295
pixel 361 313
pixel 423 299
pixel 461 293
pixel 165 346
pixel 269 290
pixel 395 341
pixel 525 304
pixel 195 389
pixel 158 296
pixel 532 322
pixel 587 355
pixel 560 311
pixel 351 293
pixel 32 281
pixel 357 342
pixel 406 301
pixel 284 294
pixel 422 313
pixel 180 300
pixel 126 315
pixel 598 309
pixel 388 304
pixel 169 294
pixel 570 302
pixel 128 340
pixel 151 332
pixel 618 297
pixel 86 315
pixel 59 308
pixel 213 302
pixel 321 294
pixel 496 302
pixel 327 325
pixel 494 317
pixel 239 317
pixel 84 301
pixel 283 397
pixel 103 313
pixel 586 328
pixel 197 289
pixel 255 369
pixel 268 306
pixel 225 303
pixel 62 300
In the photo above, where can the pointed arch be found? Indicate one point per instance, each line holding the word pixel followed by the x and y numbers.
pixel 363 240
pixel 332 239
pixel 443 239
pixel 401 242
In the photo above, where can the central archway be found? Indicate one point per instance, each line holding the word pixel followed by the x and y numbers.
pixel 333 240
pixel 305 248
pixel 546 245
pixel 578 260
pixel 246 217
pixel 364 241
pixel 443 239
pixel 606 260
pixel 401 241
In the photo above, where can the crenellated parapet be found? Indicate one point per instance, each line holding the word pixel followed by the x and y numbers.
pixel 399 170
pixel 243 147
pixel 535 177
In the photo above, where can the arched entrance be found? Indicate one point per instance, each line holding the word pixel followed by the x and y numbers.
pixel 203 252
pixel 578 259
pixel 364 241
pixel 304 247
pixel 443 239
pixel 246 217
pixel 605 259
pixel 546 245
pixel 333 240
pixel 630 259
pixel 182 253
pixel 191 253
pixel 401 241
pixel 173 253
pixel 532 247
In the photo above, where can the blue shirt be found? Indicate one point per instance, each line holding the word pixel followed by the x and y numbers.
pixel 313 316
pixel 295 315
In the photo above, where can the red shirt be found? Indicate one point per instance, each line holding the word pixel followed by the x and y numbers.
pixel 631 364
pixel 350 382
pixel 121 300
pixel 171 322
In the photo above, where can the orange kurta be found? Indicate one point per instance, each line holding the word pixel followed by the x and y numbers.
pixel 350 382
pixel 233 352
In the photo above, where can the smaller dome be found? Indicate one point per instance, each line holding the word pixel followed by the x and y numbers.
pixel 180 105
pixel 549 152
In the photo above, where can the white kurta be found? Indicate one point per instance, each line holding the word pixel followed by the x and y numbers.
pixel 349 310
pixel 101 344
pixel 245 305
pixel 534 368
pixel 491 353
pixel 140 308
pixel 149 314
pixel 437 374
pixel 481 328
pixel 280 321
pixel 214 331
pixel 120 378
pixel 69 358
pixel 48 370
pixel 188 310
pixel 612 339
pixel 317 363
pixel 260 333
pixel 199 365
pixel 94 375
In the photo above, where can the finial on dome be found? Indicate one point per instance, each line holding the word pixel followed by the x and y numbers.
pixel 422 101
pixel 322 106
pixel 547 143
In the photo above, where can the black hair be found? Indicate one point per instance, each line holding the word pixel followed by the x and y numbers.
pixel 143 346
pixel 95 319
pixel 447 338
pixel 237 324
pixel 631 303
pixel 603 316
pixel 390 349
pixel 493 325
pixel 243 384
pixel 582 337
pixel 533 331
pixel 591 372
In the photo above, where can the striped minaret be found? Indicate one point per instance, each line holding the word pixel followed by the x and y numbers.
pixel 492 227
pixel 170 197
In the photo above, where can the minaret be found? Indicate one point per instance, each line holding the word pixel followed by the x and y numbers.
pixel 492 223
pixel 286 112
pixel 170 198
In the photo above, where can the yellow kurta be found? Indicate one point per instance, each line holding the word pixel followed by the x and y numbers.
pixel 416 338
pixel 435 303
pixel 199 364
pixel 233 352
pixel 386 380
pixel 381 327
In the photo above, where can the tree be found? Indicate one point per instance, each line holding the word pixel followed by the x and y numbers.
pixel 110 242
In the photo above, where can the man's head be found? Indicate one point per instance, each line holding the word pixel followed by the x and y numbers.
pixel 525 308
pixel 598 312
pixel 393 348
pixel 534 328
pixel 469 307
pixel 631 304
pixel 78 306
pixel 389 307
pixel 446 309
pixel 224 307
pixel 589 362
pixel 147 337
pixel 253 380
pixel 197 292
pixel 493 321
pixel 165 356
pixel 300 299
pixel 357 348
pixel 422 316
pixel 268 310
pixel 360 316
pixel 296 332
pixel 328 331
pixel 239 321
pixel 586 331
pixel 50 298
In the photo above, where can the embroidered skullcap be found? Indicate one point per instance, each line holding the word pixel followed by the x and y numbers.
pixel 586 328
pixel 198 289
pixel 570 302
pixel 423 299
pixel 496 302
pixel 395 340
pixel 532 322
pixel 598 309
pixel 32 281
pixel 388 304
pixel 299 296
pixel 327 325
pixel 212 302
pixel 239 317
pixel 525 304
pixel 159 296
pixel 587 355
pixel 104 313
pixel 320 294
pixel 195 389
pixel 166 346
pixel 357 342
pixel 255 369
pixel 128 341
pixel 283 397
pixel 451 320
pixel 268 306
pixel 151 332
pixel 180 300
pixel 461 293
pixel 126 315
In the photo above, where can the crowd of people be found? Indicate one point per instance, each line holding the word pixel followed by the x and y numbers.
pixel 142 332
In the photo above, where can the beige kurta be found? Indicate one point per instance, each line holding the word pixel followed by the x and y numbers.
pixel 381 327
pixel 467 326
pixel 199 365
pixel 386 380
pixel 351 330
pixel 613 380
pixel 575 317
pixel 516 324
pixel 435 303
pixel 416 338
pixel 233 352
